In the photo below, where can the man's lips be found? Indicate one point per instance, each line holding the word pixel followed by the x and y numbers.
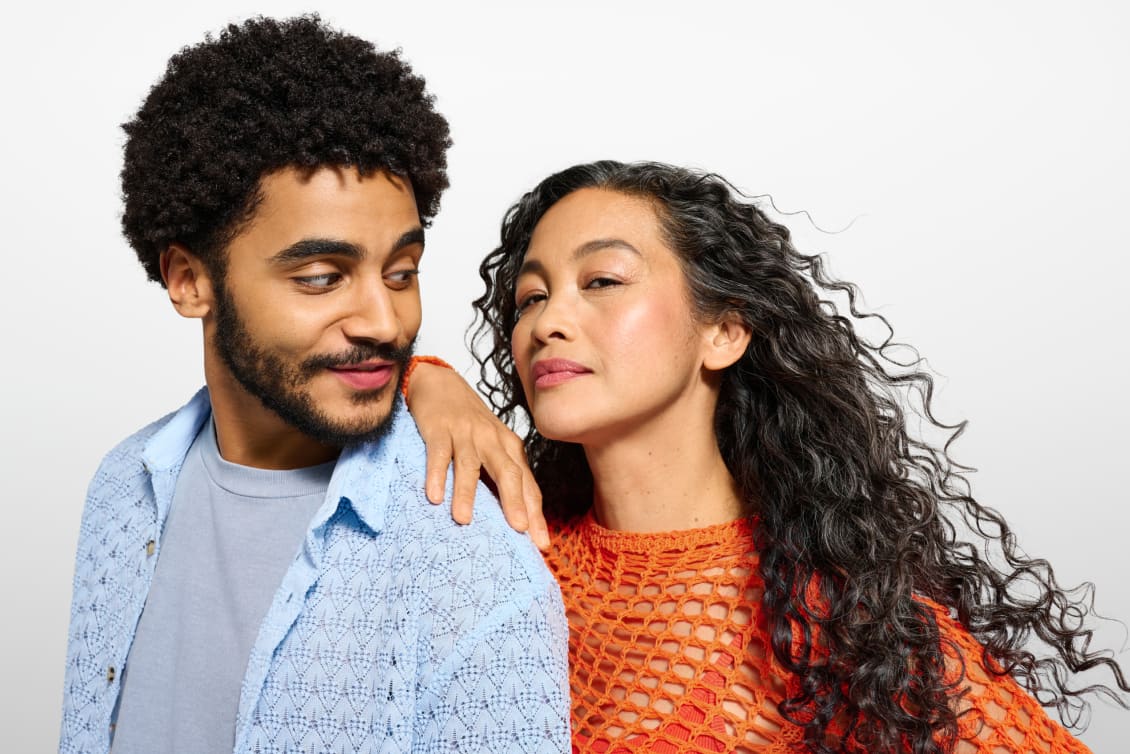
pixel 369 375
pixel 550 372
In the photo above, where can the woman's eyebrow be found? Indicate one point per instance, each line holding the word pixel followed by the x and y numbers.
pixel 588 247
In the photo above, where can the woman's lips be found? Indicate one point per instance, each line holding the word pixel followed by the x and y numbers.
pixel 550 372
pixel 368 376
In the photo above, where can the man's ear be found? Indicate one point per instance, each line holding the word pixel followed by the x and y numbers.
pixel 725 342
pixel 188 282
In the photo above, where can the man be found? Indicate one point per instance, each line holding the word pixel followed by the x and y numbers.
pixel 259 572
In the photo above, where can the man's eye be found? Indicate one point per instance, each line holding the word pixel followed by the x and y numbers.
pixel 319 281
pixel 401 278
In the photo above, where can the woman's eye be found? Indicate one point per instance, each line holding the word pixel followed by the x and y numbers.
pixel 602 282
pixel 526 302
pixel 319 281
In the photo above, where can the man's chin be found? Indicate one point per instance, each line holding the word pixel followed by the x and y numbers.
pixel 369 397
pixel 341 420
pixel 352 430
pixel 375 432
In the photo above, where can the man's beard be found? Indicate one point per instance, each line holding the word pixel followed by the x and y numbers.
pixel 280 386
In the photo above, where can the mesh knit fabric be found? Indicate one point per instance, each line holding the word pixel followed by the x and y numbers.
pixel 668 652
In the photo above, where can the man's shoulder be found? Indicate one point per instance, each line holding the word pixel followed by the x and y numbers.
pixel 130 456
pixel 124 465
pixel 186 419
pixel 133 446
pixel 412 521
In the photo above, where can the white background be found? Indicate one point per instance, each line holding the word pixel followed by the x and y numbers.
pixel 981 150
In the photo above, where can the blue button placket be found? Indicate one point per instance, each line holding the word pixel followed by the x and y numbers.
pixel 300 579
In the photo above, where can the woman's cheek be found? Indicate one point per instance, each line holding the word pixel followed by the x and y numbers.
pixel 519 338
pixel 649 329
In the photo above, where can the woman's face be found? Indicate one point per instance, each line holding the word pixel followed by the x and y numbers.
pixel 606 343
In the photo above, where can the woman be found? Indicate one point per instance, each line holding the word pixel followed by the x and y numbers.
pixel 755 553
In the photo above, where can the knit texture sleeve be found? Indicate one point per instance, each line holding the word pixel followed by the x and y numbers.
pixel 997 716
pixel 492 647
pixel 111 568
pixel 494 641
pixel 507 691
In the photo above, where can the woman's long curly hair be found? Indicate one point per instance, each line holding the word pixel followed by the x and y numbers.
pixel 856 516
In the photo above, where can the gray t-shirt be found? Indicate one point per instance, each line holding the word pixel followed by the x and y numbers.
pixel 231 534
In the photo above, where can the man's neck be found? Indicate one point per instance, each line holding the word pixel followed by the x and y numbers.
pixel 250 434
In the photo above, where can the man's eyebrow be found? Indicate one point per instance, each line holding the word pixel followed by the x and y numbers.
pixel 410 238
pixel 322 247
pixel 588 247
pixel 317 247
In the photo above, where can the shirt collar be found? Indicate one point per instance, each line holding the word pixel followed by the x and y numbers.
pixel 167 448
pixel 364 473
pixel 361 479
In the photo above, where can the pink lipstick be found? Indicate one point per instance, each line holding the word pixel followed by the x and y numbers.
pixel 550 372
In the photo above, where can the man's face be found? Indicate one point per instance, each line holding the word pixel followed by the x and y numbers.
pixel 318 306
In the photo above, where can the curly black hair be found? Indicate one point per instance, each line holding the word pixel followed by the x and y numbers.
pixel 857 517
pixel 265 95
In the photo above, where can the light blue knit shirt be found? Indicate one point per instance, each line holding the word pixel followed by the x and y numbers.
pixel 394 629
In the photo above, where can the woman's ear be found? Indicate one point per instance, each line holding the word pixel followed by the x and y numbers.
pixel 188 282
pixel 726 341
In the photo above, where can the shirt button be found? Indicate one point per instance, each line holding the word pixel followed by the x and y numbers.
pixel 111 674
pixel 150 548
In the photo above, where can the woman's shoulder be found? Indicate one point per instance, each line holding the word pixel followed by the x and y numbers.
pixel 995 714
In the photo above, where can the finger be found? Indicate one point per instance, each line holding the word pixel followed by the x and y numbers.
pixel 439 458
pixel 531 494
pixel 507 477
pixel 467 465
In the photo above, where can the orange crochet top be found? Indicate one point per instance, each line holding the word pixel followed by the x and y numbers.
pixel 668 652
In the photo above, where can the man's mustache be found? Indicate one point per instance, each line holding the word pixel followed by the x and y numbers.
pixel 360 353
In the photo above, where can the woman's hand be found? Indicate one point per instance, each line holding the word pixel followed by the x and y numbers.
pixel 457 425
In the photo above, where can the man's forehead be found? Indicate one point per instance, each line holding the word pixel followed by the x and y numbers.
pixel 300 210
pixel 326 182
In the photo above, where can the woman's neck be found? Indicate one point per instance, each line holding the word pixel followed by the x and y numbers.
pixel 664 477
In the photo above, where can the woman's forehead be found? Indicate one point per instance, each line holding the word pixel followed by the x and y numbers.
pixel 594 218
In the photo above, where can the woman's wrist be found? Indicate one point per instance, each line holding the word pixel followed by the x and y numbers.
pixel 416 361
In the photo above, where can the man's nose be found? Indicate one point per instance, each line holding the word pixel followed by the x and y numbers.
pixel 371 314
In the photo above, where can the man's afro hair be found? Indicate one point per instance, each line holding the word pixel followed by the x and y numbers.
pixel 266 95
